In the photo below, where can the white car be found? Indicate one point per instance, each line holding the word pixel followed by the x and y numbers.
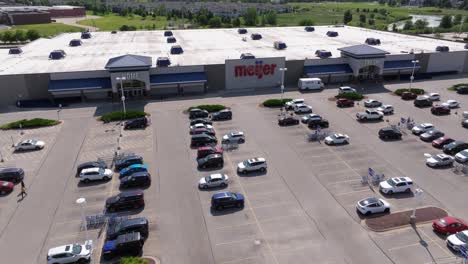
pixel 213 180
pixel 305 119
pixel 200 125
pixel 451 104
pixel 72 253
pixel 369 114
pixel 95 174
pixel 386 109
pixel 372 205
pixel 372 103
pixel 337 139
pixel 292 103
pixel 396 185
pixel 29 144
pixel 439 160
pixel 255 164
pixel 422 128
pixel 458 240
pixel 434 97
pixel 234 137
pixel 462 156
pixel 302 108
pixel 346 89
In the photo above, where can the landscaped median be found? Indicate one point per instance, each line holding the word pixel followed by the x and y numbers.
pixel 210 108
pixel 120 115
pixel 30 123
pixel 412 90
pixel 454 87
pixel 351 96
pixel 275 102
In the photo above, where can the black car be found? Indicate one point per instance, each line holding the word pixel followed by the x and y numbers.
pixel 205 121
pixel 127 161
pixel 11 174
pixel 389 133
pixel 315 123
pixel 455 147
pixel 211 161
pixel 431 135
pixel 139 224
pixel 136 123
pixel 130 244
pixel 225 114
pixel 288 120
pixel 91 164
pixel 202 140
pixel 462 89
pixel 440 110
pixel 464 123
pixel 137 179
pixel 422 102
pixel 222 200
pixel 125 200
pixel 198 113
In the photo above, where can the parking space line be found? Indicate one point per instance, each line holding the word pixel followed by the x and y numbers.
pixel 271 205
pixel 235 241
pixel 435 242
pixel 233 226
pixel 345 181
pixel 407 246
pixel 279 217
pixel 358 191
pixel 266 193
pixel 241 259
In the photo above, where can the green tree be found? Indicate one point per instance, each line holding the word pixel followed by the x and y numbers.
pixel 457 20
pixel 306 22
pixel 408 25
pixel 394 28
pixel 236 22
pixel 362 18
pixel 371 22
pixel 446 22
pixel 8 36
pixel 20 35
pixel 202 20
pixel 271 18
pixel 262 20
pixel 347 17
pixel 215 22
pixel 420 24
pixel 32 34
pixel 250 17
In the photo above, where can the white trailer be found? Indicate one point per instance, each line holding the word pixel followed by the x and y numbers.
pixel 310 84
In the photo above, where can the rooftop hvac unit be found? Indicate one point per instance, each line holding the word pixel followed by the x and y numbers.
pixel 245 56
pixel 372 41
pixel 466 46
pixel 309 29
pixel 113 32
pixel 242 31
pixel 75 43
pixel 176 49
pixel 442 48
pixel 279 45
pixel 57 55
pixel 167 33
pixel 323 54
pixel 171 40
pixel 163 62
pixel 85 35
pixel 256 36
pixel 15 51
pixel 332 33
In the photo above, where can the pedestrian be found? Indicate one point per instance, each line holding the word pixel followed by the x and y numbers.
pixel 23 190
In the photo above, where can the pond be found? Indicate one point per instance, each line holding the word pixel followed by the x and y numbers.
pixel 433 21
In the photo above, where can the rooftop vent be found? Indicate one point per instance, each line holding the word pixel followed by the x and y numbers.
pixel 279 45
pixel 85 35
pixel 242 31
pixel 15 51
pixel 57 55
pixel 323 54
pixel 163 62
pixel 75 43
pixel 256 36
pixel 167 33
pixel 309 29
pixel 332 33
pixel 372 41
pixel 176 49
pixel 442 48
pixel 171 40
pixel 466 46
pixel 245 56
pixel 113 32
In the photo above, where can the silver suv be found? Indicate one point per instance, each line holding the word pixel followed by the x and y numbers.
pixel 255 164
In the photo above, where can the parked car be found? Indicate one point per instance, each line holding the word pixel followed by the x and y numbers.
pixel 372 205
pixel 95 174
pixel 386 109
pixel 127 161
pixel 439 160
pixel 91 164
pixel 346 89
pixel 207 150
pixel 254 164
pixel 462 89
pixel 71 253
pixel 200 126
pixel 206 131
pixel 315 123
pixel 234 137
pixel 451 104
pixel 369 114
pixel 202 140
pixel 458 240
pixel 422 101
pixel 130 244
pixel 344 102
pixel 390 133
pixel 421 128
pixel 442 141
pixel 408 96
pixel 133 169
pixel 6 187
pixel 288 120
pixel 462 156
pixel 205 121
pixel 125 200
pixel 336 139
pixel 290 105
pixel 213 180
pixel 141 122
pixel 305 119
pixel 440 110
pixel 430 135
pixel 302 109
pixel 11 174
pixel 130 225
pixel 225 114
pixel 219 201
pixel 211 161
pixel 434 96
pixel 455 147
pixel 198 113
pixel 372 103
pixel 29 144
pixel 449 225
pixel 137 179
pixel 464 123
pixel 396 185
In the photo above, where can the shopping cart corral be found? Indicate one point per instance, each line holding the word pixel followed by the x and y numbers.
pixel 317 136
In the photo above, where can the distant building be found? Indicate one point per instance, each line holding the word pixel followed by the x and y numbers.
pixel 23 15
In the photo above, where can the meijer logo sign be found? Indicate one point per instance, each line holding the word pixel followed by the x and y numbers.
pixel 259 70
pixel 253 73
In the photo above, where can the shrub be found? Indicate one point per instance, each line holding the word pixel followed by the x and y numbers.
pixel 30 123
pixel 412 90
pixel 275 102
pixel 209 108
pixel 454 87
pixel 117 116
pixel 133 260
pixel 352 96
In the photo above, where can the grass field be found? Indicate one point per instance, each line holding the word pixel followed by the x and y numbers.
pixel 114 22
pixel 47 30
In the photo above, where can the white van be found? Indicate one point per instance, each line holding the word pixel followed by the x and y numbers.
pixel 310 84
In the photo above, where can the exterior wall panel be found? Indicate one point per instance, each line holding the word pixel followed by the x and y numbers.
pixel 253 73
pixel 446 61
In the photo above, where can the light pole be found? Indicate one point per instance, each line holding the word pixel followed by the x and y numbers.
pixel 1 154
pixel 412 73
pixel 82 202
pixel 121 79
pixel 58 112
pixel 282 81
pixel 417 194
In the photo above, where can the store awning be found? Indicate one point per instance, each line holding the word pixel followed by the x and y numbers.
pixel 327 69
pixel 178 78
pixel 399 65
pixel 79 84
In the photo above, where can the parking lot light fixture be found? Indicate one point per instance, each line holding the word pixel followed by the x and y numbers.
pixel 418 195
pixel 82 202
pixel 412 73
pixel 282 70
pixel 121 79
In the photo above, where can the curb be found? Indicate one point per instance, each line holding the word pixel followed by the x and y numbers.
pixel 155 259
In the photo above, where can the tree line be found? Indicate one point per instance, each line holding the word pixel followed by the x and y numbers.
pixel 10 36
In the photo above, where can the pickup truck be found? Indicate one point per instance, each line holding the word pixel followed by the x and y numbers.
pixel 369 115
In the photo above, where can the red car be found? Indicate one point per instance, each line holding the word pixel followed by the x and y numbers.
pixel 408 96
pixel 449 225
pixel 440 110
pixel 208 150
pixel 6 187
pixel 441 142
pixel 344 102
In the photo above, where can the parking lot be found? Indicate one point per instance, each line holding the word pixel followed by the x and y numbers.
pixel 302 210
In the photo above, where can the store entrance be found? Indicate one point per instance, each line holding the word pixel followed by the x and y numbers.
pixel 370 72
pixel 131 89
